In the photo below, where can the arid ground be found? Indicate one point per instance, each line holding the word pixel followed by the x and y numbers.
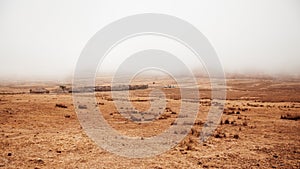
pixel 260 128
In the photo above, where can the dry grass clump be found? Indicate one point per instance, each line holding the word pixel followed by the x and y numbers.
pixel 188 144
pixel 220 135
pixel 67 116
pixel 236 136
pixel 61 105
pixel 227 121
pixel 39 91
pixel 290 117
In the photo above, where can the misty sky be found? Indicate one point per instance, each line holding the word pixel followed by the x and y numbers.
pixel 40 38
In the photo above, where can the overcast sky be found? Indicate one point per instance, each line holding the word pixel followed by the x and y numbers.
pixel 40 38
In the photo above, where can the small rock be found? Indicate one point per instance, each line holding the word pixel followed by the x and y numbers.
pixel 136 118
pixel 149 117
pixel 9 154
pixel 40 161
pixel 82 106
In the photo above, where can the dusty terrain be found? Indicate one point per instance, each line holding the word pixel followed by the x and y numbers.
pixel 254 132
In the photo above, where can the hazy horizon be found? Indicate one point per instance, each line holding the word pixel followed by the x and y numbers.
pixel 42 40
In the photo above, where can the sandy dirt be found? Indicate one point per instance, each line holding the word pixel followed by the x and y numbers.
pixel 35 133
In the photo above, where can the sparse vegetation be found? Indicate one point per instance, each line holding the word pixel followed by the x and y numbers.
pixel 48 123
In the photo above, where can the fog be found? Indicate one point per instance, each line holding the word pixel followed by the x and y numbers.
pixel 43 39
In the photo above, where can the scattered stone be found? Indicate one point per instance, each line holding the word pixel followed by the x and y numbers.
pixel 236 136
pixel 148 117
pixel 82 106
pixel 9 154
pixel 135 118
